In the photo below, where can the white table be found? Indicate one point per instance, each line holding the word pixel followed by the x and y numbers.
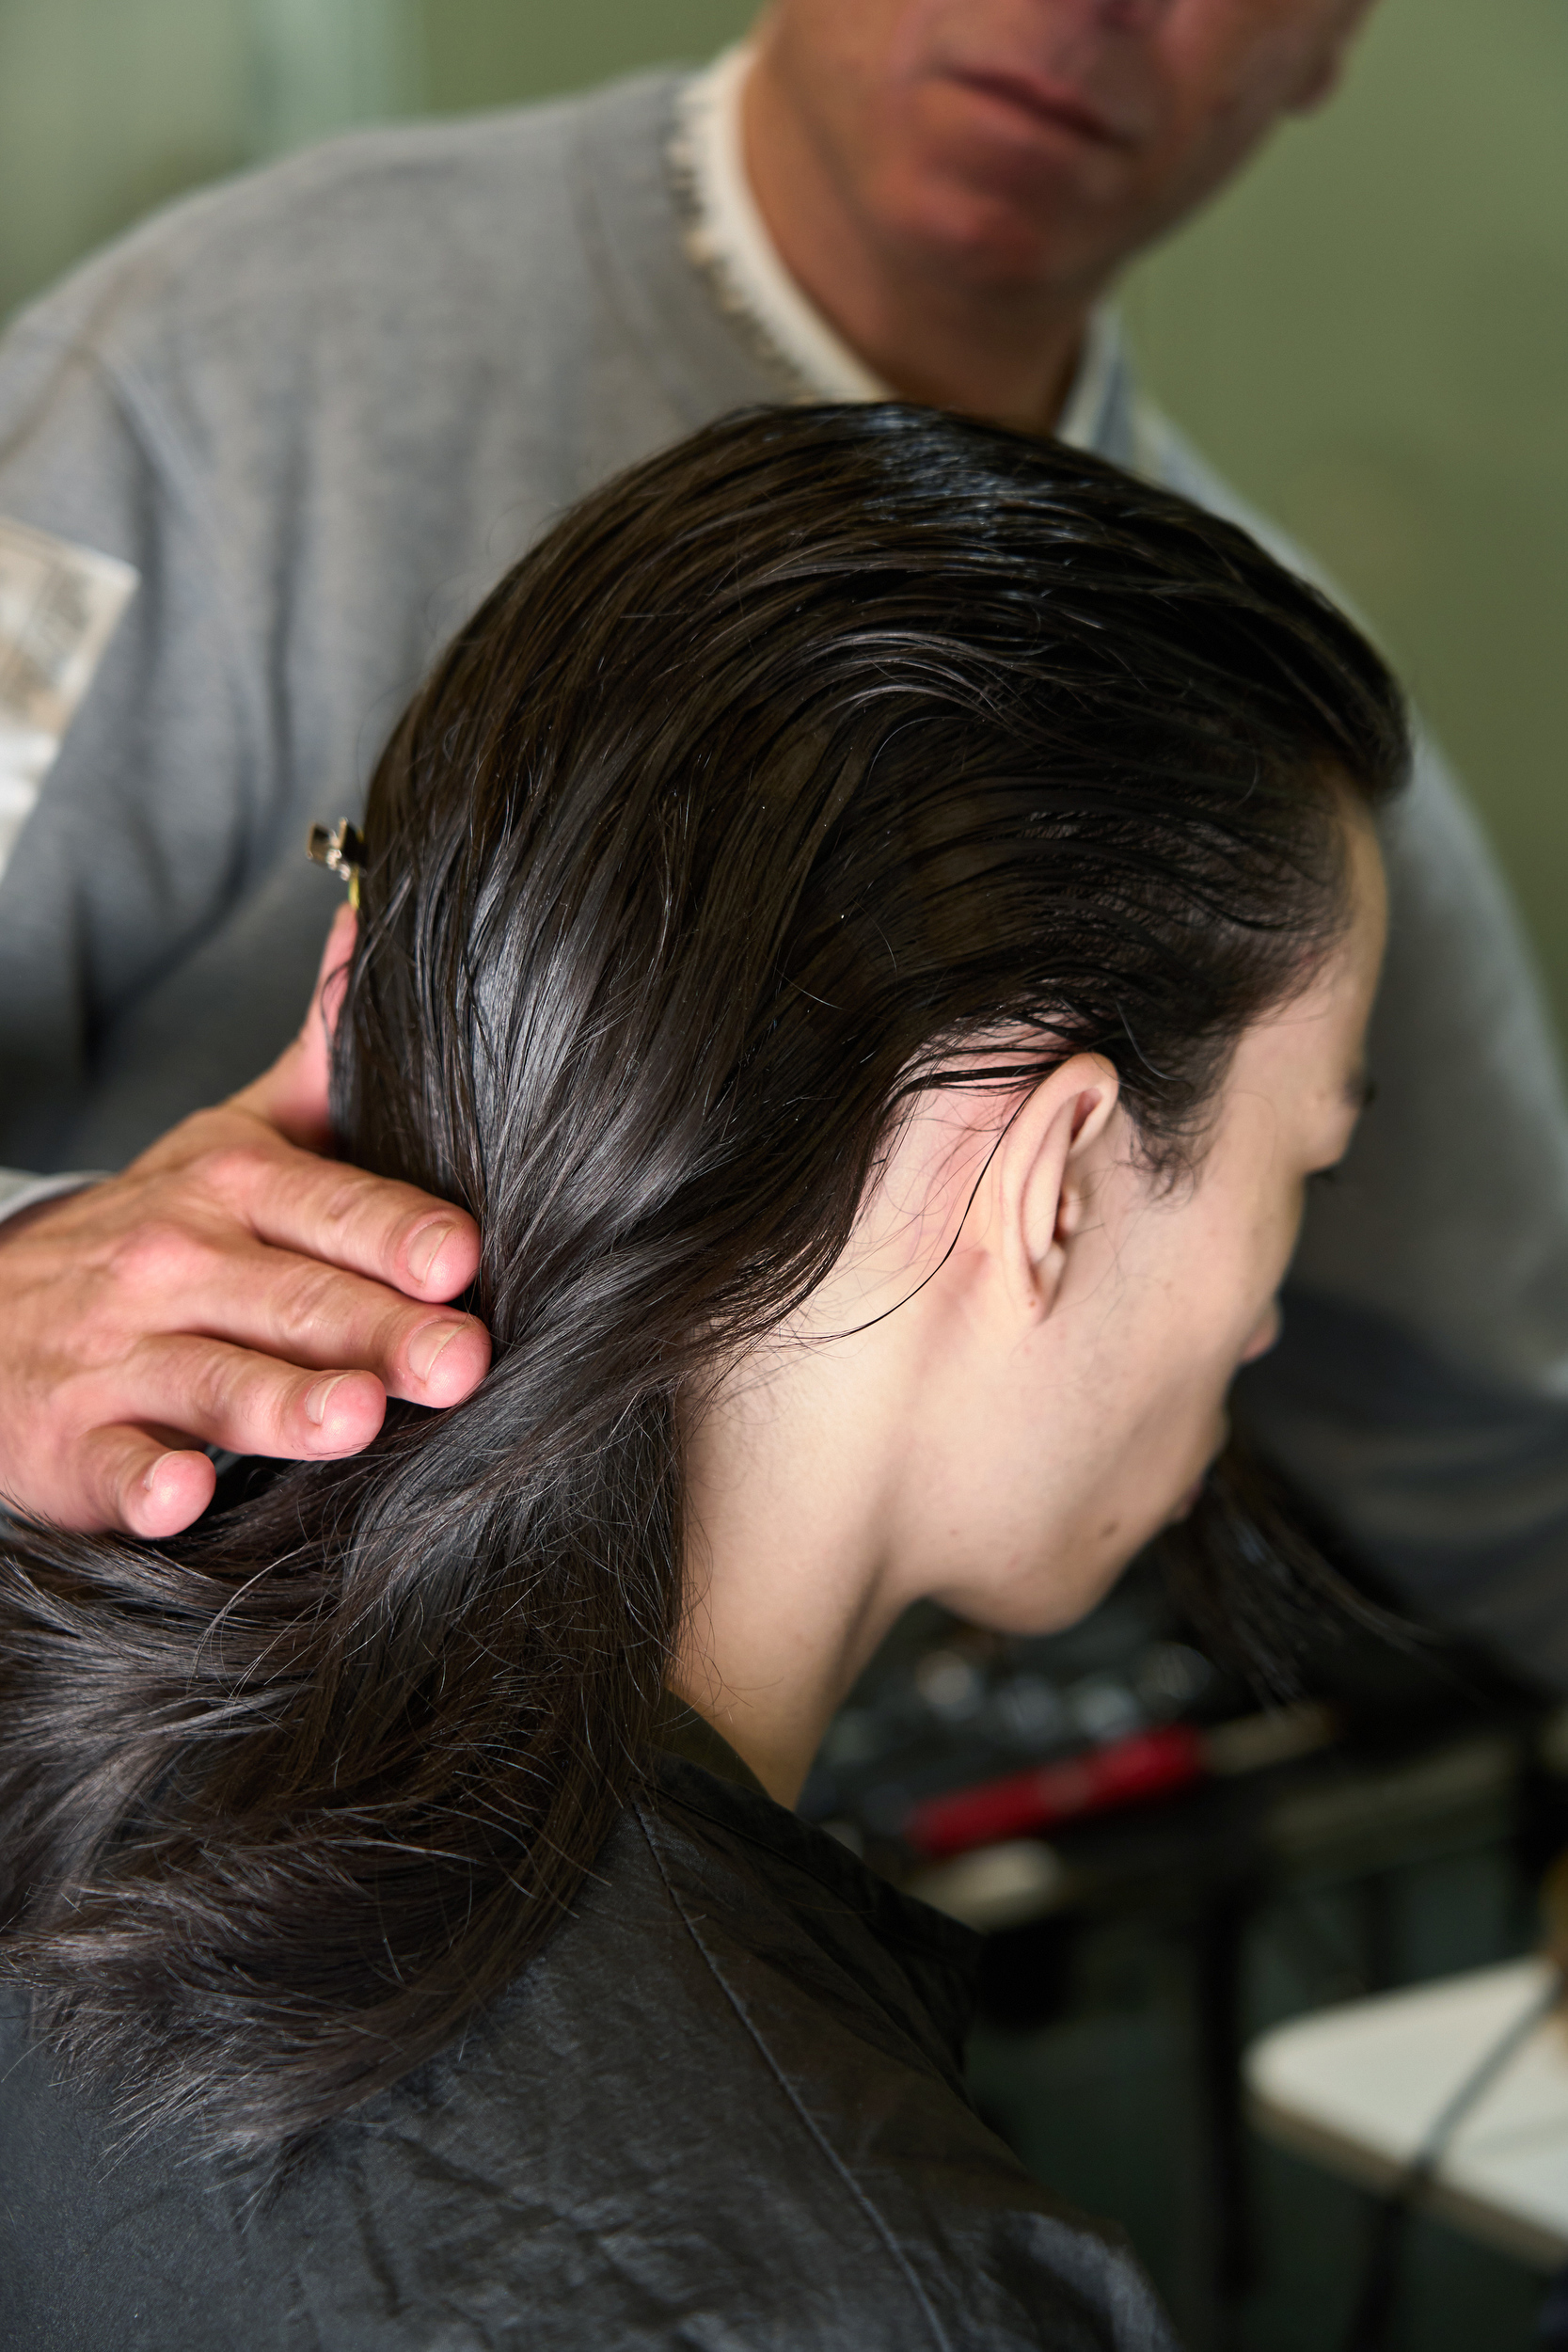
pixel 1356 2089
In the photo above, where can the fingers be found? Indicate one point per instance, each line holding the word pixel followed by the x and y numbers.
pixel 323 1399
pixel 143 1476
pixel 143 1482
pixel 299 1200
pixel 320 1209
pixel 446 1362
pixel 250 1403
pixel 151 1482
pixel 366 1224
pixel 228 1287
pixel 130 1479
pixel 233 1287
pixel 169 1496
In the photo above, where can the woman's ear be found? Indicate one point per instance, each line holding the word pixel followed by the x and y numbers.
pixel 294 1094
pixel 1044 1171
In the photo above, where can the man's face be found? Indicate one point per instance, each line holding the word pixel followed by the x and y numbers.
pixel 1043 141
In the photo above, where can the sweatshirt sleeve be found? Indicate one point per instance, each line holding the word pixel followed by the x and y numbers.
pixel 126 842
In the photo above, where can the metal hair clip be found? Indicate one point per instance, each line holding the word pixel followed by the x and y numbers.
pixel 341 850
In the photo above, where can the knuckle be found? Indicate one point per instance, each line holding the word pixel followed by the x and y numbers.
pixel 224 1168
pixel 309 1299
pixel 347 1192
pixel 156 1255
pixel 231 1395
pixel 351 1203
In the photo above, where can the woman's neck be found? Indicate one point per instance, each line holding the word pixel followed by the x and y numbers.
pixel 924 1426
pixel 789 1560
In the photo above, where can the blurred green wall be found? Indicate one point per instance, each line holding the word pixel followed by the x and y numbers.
pixel 109 106
pixel 482 52
pixel 1369 334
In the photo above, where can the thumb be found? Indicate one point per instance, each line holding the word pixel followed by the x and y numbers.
pixel 293 1095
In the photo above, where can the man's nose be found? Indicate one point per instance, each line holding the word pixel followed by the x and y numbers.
pixel 1078 18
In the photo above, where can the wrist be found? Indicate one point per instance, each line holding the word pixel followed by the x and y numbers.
pixel 25 1198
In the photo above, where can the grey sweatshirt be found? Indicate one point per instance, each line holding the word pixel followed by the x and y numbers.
pixel 319 411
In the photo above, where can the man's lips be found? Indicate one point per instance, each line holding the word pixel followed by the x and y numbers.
pixel 1042 100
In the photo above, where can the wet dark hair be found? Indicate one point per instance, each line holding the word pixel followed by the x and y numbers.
pixel 790 772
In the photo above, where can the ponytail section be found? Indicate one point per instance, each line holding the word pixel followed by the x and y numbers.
pixel 285 1804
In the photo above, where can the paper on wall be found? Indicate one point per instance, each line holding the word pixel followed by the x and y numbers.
pixel 58 607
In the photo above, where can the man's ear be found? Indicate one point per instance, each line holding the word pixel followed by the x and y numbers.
pixel 1326 71
pixel 1043 1175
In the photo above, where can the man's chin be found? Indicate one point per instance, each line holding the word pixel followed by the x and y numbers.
pixel 1014 212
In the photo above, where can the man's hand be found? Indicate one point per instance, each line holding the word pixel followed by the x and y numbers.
pixel 231 1288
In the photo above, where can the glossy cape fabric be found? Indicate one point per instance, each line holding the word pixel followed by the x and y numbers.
pixel 724 2109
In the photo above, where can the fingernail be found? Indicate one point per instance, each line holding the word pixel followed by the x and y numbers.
pixel 424 1348
pixel 320 1397
pixel 425 1248
pixel 151 1478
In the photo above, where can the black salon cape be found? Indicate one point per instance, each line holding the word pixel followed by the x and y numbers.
pixel 722 2111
